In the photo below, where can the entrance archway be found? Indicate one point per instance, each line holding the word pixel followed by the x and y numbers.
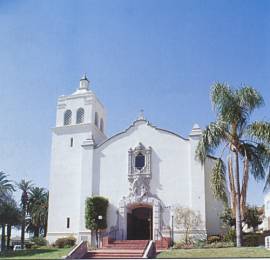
pixel 131 202
pixel 140 222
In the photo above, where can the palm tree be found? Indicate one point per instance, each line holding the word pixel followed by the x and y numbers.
pixel 233 134
pixel 6 187
pixel 38 209
pixel 9 215
pixel 25 187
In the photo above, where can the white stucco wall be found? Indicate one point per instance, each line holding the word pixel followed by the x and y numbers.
pixel 266 220
pixel 214 207
pixel 70 169
pixel 173 159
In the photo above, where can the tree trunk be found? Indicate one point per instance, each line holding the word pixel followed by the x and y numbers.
pixel 45 231
pixel 3 238
pixel 23 228
pixel 232 186
pixel 244 189
pixel 36 232
pixel 8 235
pixel 186 235
pixel 96 237
pixel 237 196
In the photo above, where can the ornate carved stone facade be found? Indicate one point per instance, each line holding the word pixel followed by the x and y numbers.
pixel 139 171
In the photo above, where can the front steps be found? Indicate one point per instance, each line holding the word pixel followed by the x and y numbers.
pixel 120 249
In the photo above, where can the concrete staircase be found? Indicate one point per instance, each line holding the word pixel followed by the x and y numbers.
pixel 120 249
pixel 163 244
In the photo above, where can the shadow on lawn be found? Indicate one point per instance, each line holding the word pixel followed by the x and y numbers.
pixel 27 252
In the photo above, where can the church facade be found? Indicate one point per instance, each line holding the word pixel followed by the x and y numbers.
pixel 145 172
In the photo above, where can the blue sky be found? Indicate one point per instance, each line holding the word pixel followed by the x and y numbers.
pixel 161 56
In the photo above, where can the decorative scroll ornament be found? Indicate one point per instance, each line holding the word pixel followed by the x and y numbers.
pixel 139 171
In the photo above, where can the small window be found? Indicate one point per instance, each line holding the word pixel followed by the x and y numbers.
pixel 67 117
pixel 80 116
pixel 68 222
pixel 101 126
pixel 71 142
pixel 139 161
pixel 96 119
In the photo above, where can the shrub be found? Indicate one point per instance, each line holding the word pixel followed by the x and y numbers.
pixel 219 245
pixel 29 245
pixel 230 236
pixel 251 239
pixel 94 207
pixel 213 239
pixel 183 245
pixel 65 242
pixel 200 243
pixel 39 241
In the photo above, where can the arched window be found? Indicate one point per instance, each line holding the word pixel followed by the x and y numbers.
pixel 67 117
pixel 101 125
pixel 139 161
pixel 80 116
pixel 96 119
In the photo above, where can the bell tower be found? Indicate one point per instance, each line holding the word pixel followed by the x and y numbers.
pixel 80 119
pixel 82 110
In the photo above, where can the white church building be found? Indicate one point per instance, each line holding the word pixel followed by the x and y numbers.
pixel 144 171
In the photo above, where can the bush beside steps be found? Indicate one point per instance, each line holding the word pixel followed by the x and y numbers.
pixel 65 242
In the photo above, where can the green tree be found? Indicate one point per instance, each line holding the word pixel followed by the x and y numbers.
pixel 6 189
pixel 233 134
pixel 96 206
pixel 227 217
pixel 25 187
pixel 9 215
pixel 252 217
pixel 38 210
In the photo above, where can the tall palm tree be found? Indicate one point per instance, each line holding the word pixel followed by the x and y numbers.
pixel 233 135
pixel 25 187
pixel 9 215
pixel 6 188
pixel 38 209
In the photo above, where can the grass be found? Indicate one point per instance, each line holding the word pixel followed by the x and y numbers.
pixel 230 252
pixel 40 253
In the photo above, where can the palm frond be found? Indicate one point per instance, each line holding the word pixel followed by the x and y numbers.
pixel 6 185
pixel 259 130
pixel 211 138
pixel 249 98
pixel 267 182
pixel 218 181
pixel 226 103
pixel 24 185
pixel 258 156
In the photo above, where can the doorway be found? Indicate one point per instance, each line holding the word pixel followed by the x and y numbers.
pixel 140 223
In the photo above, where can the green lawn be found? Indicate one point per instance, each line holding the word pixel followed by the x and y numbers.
pixel 215 252
pixel 40 253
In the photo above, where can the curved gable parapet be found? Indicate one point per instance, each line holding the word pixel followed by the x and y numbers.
pixel 138 122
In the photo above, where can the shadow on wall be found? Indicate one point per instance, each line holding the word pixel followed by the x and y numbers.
pixel 113 222
pixel 155 184
pixel 96 172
